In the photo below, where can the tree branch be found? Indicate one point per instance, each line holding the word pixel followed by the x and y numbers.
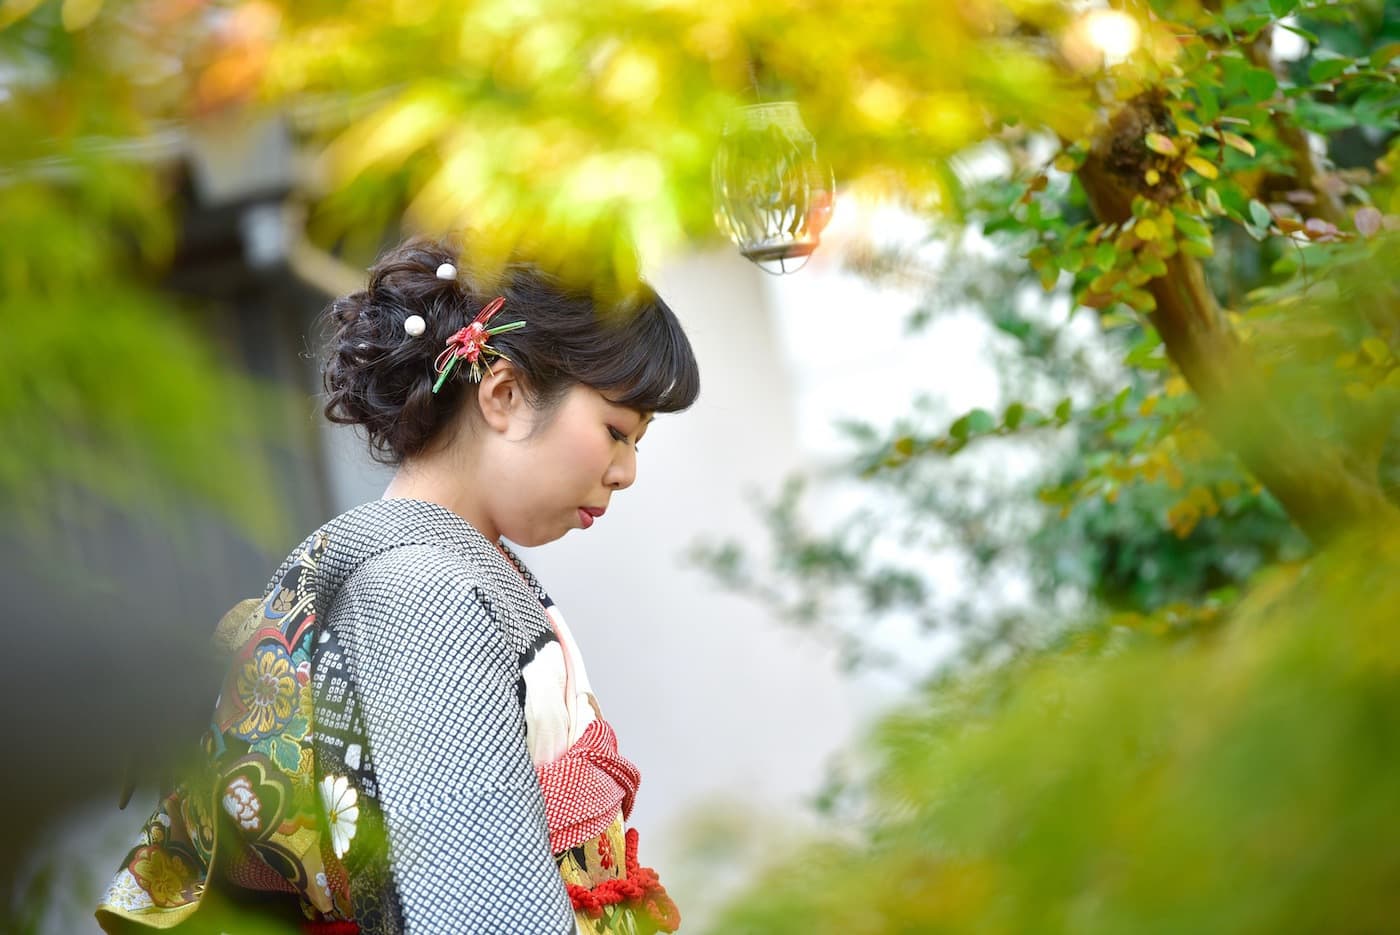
pixel 1306 170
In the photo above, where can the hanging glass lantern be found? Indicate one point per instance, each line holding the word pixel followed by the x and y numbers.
pixel 772 195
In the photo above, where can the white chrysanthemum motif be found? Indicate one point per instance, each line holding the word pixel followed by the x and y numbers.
pixel 342 811
pixel 126 893
pixel 242 804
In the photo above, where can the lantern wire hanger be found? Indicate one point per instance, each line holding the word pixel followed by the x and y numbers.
pixel 772 194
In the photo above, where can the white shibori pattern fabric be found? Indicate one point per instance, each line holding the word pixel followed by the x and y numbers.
pixel 418 690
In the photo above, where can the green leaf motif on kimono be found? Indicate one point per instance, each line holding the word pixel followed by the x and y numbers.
pixel 283 750
pixel 302 652
pixel 298 728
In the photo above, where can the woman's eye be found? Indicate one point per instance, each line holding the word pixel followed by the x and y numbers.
pixel 620 436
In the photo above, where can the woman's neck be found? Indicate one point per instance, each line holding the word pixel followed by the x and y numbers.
pixel 438 477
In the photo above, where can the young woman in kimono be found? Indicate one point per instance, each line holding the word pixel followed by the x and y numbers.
pixel 407 740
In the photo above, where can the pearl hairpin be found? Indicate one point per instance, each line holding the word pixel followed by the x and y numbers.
pixel 447 271
pixel 414 325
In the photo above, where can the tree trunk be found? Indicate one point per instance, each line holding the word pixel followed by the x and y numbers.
pixel 1309 476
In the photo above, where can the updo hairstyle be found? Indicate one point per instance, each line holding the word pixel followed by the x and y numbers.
pixel 379 377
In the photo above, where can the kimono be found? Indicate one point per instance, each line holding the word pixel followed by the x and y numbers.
pixel 406 741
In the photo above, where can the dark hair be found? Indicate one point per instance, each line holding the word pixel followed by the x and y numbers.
pixel 631 349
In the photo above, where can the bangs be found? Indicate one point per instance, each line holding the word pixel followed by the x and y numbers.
pixel 650 365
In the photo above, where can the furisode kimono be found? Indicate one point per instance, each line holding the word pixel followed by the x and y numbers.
pixel 406 740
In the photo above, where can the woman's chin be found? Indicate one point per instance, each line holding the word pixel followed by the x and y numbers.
pixel 531 538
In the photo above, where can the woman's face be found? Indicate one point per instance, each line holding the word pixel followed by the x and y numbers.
pixel 557 471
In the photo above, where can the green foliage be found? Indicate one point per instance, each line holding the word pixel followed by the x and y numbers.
pixel 1117 783
pixel 1225 723
pixel 1152 513
pixel 107 386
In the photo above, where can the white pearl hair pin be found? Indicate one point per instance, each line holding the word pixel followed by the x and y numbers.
pixel 414 325
pixel 447 271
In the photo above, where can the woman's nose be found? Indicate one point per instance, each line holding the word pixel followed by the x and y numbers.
pixel 623 470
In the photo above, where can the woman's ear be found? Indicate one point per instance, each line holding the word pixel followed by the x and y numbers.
pixel 500 397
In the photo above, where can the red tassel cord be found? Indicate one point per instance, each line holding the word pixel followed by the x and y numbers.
pixel 640 890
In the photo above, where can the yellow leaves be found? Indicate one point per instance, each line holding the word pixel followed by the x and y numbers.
pixel 1357 391
pixel 1375 349
pixel 1152 176
pixel 1203 167
pixel 712 39
pixel 1186 514
pixel 612 176
pixel 77 14
pixel 1236 141
pixel 1161 143
pixel 12 11
pixel 74 14
pixel 1368 370
pixel 950 119
pixel 545 53
pixel 882 102
pixel 632 78
pixel 461 181
pixel 1187 127
pixel 1147 229
pixel 387 138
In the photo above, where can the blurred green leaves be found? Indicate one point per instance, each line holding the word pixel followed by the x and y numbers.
pixel 574 129
pixel 1241 781
pixel 107 387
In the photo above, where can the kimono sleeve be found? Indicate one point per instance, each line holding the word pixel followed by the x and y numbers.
pixel 445 764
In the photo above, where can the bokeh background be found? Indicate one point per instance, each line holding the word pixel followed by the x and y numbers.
pixel 1029 561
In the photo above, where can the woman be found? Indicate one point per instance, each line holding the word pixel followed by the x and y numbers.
pixel 406 739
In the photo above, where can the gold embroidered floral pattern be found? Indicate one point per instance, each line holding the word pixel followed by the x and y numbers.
pixel 267 688
pixel 161 874
pixel 284 600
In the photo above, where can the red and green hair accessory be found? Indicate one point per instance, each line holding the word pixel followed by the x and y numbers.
pixel 469 344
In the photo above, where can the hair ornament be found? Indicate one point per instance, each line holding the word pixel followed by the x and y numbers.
pixel 469 344
pixel 447 271
pixel 414 326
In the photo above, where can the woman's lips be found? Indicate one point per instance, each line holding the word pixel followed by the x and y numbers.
pixel 587 514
